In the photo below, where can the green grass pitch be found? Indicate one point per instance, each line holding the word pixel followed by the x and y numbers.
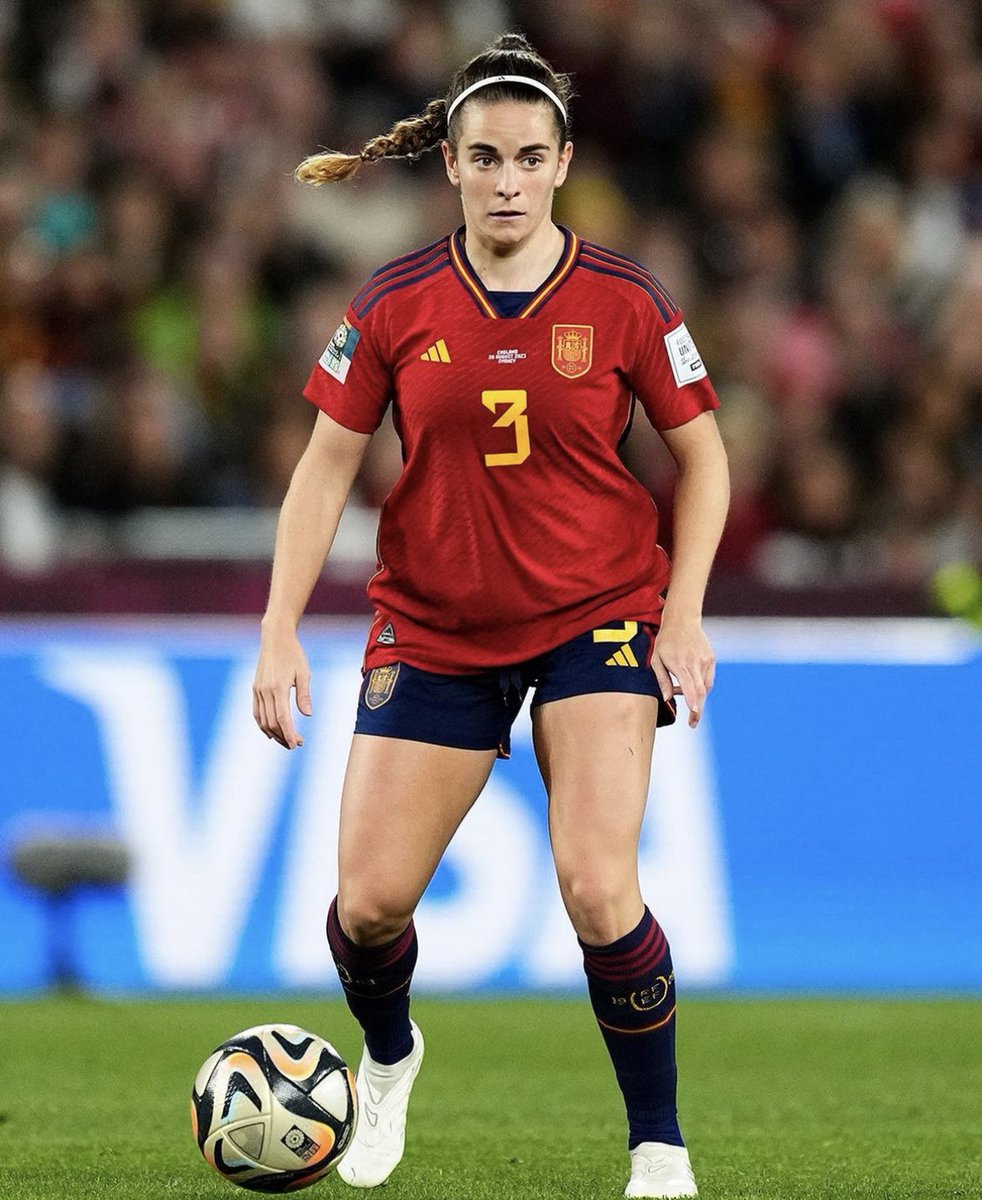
pixel 787 1099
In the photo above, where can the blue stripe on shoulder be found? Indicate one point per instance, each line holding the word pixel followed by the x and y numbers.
pixel 666 315
pixel 399 281
pixel 616 258
pixel 399 266
pixel 413 254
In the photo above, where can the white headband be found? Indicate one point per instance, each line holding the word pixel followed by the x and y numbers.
pixel 524 79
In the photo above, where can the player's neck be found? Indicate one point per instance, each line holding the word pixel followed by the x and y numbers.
pixel 522 267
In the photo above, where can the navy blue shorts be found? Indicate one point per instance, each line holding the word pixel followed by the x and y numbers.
pixel 476 711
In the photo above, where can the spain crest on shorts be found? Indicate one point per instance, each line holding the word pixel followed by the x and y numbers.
pixel 381 684
pixel 572 349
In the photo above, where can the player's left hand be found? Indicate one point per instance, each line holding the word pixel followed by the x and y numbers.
pixel 683 653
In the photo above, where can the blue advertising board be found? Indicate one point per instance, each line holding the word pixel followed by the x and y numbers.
pixel 821 829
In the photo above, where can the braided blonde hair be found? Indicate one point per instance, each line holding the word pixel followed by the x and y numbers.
pixel 510 54
pixel 408 138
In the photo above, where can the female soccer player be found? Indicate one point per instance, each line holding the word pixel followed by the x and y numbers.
pixel 516 553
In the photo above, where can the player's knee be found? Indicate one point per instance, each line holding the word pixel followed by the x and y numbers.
pixel 370 919
pixel 602 906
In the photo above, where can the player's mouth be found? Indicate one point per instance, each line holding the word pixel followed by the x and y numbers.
pixel 506 214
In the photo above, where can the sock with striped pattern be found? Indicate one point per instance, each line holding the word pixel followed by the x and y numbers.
pixel 376 983
pixel 632 990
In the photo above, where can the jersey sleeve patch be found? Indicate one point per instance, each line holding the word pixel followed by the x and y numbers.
pixel 336 359
pixel 687 364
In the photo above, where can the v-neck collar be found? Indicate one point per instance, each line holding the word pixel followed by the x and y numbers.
pixel 479 293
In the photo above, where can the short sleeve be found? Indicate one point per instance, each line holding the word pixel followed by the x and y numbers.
pixel 669 376
pixel 350 381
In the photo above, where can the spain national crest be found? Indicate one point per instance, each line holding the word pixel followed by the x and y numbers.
pixel 572 349
pixel 381 684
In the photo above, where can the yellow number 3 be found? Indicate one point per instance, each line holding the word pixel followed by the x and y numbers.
pixel 514 414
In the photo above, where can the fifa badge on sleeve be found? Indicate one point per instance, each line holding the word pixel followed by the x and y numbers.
pixel 336 359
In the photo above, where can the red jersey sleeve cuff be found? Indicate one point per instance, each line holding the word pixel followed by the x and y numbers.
pixel 330 398
pixel 691 402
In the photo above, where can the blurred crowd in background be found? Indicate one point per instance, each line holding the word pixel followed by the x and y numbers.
pixel 805 177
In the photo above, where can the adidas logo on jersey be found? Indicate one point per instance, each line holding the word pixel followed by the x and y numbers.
pixel 387 637
pixel 622 658
pixel 438 352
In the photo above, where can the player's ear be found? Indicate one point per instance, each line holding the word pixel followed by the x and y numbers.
pixel 450 160
pixel 564 156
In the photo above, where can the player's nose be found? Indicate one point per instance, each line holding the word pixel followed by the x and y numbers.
pixel 507 181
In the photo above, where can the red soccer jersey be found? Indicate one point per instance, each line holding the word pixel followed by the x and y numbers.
pixel 514 525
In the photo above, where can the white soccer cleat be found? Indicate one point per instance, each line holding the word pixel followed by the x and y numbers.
pixel 660 1171
pixel 383 1102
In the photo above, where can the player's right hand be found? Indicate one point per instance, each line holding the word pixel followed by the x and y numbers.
pixel 282 667
pixel 683 654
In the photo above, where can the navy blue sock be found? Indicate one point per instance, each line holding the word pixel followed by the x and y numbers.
pixel 632 990
pixel 376 983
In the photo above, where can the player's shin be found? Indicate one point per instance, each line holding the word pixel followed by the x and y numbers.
pixel 376 981
pixel 632 990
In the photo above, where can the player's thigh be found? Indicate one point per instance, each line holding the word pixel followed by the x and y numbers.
pixel 401 803
pixel 594 752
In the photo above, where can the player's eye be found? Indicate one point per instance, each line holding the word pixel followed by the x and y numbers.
pixel 532 160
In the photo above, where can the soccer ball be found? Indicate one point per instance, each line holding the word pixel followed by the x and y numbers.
pixel 274 1108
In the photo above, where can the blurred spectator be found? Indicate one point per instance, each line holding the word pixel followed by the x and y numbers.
pixel 30 524
pixel 212 330
pixel 64 214
pixel 141 446
pixel 806 179
pixel 138 229
pixel 284 438
pixel 819 502
pixel 919 522
pixel 748 428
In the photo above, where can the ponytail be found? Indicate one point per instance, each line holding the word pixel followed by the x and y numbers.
pixel 510 57
pixel 406 139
